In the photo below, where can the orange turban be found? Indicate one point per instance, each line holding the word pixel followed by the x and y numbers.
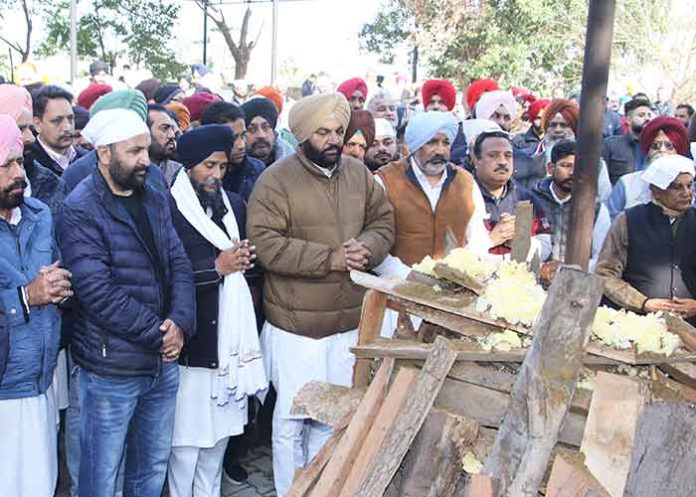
pixel 567 108
pixel 273 95
pixel 182 114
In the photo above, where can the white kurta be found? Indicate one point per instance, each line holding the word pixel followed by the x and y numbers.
pixel 28 450
pixel 292 360
pixel 199 420
pixel 60 381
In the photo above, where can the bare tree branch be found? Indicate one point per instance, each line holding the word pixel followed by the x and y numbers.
pixel 27 17
pixel 12 45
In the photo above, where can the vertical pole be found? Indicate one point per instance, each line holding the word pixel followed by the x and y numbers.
pixel 73 41
pixel 274 44
pixel 414 65
pixel 205 32
pixel 595 74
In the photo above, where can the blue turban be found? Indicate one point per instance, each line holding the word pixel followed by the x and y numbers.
pixel 194 146
pixel 424 126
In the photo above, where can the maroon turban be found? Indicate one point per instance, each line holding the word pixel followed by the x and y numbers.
pixel 349 87
pixel 476 89
pixel 536 107
pixel 198 102
pixel 440 87
pixel 567 108
pixel 673 128
pixel 90 94
pixel 361 120
pixel 148 88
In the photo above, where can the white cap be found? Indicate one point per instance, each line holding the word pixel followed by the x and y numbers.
pixel 491 100
pixel 384 128
pixel 113 126
pixel 474 127
pixel 665 169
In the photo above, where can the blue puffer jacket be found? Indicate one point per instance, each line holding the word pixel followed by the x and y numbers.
pixel 33 339
pixel 120 302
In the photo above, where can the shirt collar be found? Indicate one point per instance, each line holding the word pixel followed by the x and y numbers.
pixel 15 217
pixel 558 200
pixel 62 160
pixel 423 179
pixel 326 172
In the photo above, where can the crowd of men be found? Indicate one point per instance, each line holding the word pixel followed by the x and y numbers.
pixel 169 256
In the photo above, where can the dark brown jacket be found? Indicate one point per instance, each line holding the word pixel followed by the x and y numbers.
pixel 297 218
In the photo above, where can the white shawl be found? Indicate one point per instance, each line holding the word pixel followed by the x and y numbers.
pixel 241 372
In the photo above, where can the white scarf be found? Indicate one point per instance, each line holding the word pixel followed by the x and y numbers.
pixel 241 372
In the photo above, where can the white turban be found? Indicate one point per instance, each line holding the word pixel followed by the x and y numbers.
pixel 424 126
pixel 665 169
pixel 472 128
pixel 384 128
pixel 490 101
pixel 113 126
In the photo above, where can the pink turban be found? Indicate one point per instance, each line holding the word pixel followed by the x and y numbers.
pixel 10 137
pixel 13 99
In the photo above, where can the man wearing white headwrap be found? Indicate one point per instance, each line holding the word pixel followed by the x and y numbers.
pixel 431 195
pixel 647 262
pixel 136 294
pixel 383 149
pixel 313 217
pixel 497 106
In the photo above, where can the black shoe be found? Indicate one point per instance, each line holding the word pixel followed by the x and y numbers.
pixel 235 474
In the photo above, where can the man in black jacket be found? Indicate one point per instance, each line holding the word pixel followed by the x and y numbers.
pixel 222 364
pixel 54 121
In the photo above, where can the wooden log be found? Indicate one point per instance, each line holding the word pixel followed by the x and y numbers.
pixel 306 477
pixel 663 457
pixel 452 322
pixel 393 404
pixel 409 421
pixel 346 451
pixel 433 464
pixel 373 308
pixel 570 478
pixel 458 277
pixel 325 402
pixel 542 395
pixel 684 373
pixel 686 332
pixel 616 406
pixel 522 241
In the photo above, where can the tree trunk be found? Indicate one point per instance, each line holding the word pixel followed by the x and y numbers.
pixel 27 46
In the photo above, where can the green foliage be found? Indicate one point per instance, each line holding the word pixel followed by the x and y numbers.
pixel 534 43
pixel 139 29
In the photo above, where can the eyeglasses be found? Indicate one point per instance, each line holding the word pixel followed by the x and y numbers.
pixel 658 145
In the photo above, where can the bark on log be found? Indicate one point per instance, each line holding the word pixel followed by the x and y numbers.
pixel 545 385
pixel 663 457
pixel 522 242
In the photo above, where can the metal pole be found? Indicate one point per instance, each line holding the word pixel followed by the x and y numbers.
pixel 73 41
pixel 205 32
pixel 274 44
pixel 595 74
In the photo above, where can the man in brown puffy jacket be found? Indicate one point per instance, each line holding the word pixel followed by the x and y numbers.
pixel 313 217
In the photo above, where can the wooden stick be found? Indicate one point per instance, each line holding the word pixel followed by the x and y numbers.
pixel 337 469
pixel 522 242
pixel 482 486
pixel 410 419
pixel 374 306
pixel 545 385
pixel 570 478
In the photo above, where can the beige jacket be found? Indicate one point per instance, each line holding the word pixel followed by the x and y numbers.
pixel 297 218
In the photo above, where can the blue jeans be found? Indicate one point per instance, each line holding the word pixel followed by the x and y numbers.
pixel 137 413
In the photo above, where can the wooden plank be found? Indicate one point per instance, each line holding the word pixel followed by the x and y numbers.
pixel 410 419
pixel 488 407
pixel 339 466
pixel 393 404
pixel 570 478
pixel 664 452
pixel 373 308
pixel 522 241
pixel 684 372
pixel 482 486
pixel 459 277
pixel 433 464
pixel 306 477
pixel 686 332
pixel 325 402
pixel 542 395
pixel 616 406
